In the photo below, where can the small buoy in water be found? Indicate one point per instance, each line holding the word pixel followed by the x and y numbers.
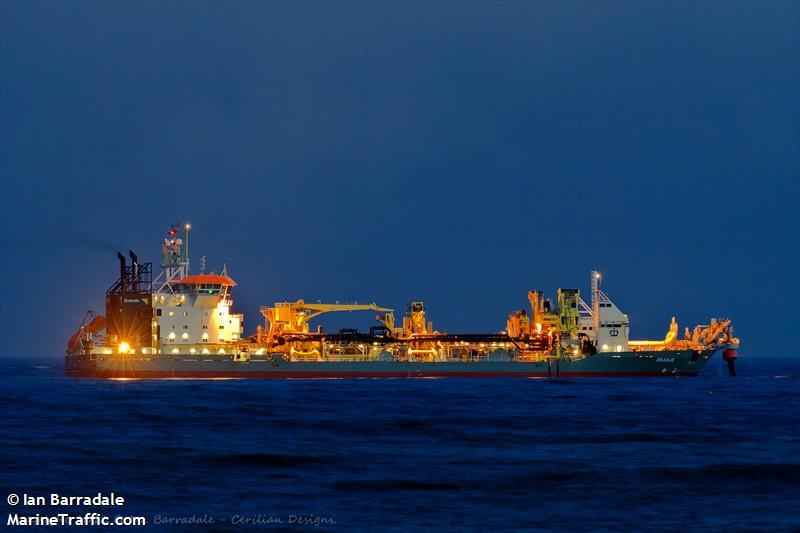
pixel 710 392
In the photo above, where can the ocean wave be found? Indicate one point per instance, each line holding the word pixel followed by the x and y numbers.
pixel 392 485
pixel 266 459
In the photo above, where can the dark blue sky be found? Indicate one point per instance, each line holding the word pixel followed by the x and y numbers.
pixel 461 154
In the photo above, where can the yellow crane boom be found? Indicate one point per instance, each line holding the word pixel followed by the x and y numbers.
pixel 320 308
pixel 293 317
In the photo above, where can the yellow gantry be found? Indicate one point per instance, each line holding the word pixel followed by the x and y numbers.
pixel 293 317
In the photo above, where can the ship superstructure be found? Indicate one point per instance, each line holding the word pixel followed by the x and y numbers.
pixel 180 324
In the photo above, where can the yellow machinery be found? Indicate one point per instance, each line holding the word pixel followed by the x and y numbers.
pixel 518 324
pixel 542 317
pixel 698 339
pixel 672 334
pixel 293 317
pixel 537 306
pixel 414 321
pixel 569 318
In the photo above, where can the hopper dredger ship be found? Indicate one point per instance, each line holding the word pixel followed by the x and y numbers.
pixel 180 325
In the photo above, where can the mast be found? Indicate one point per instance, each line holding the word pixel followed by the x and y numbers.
pixel 175 259
pixel 187 226
pixel 596 277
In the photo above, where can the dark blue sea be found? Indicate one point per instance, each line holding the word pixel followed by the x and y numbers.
pixel 709 453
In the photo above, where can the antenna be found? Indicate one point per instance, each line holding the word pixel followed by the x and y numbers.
pixel 187 227
pixel 596 277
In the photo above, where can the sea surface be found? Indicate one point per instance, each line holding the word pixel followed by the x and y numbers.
pixel 709 453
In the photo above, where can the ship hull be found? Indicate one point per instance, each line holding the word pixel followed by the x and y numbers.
pixel 625 364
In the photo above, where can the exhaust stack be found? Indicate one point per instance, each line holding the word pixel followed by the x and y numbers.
pixel 122 276
pixel 135 276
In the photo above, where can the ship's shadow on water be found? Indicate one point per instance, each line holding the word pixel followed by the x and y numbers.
pixel 707 453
